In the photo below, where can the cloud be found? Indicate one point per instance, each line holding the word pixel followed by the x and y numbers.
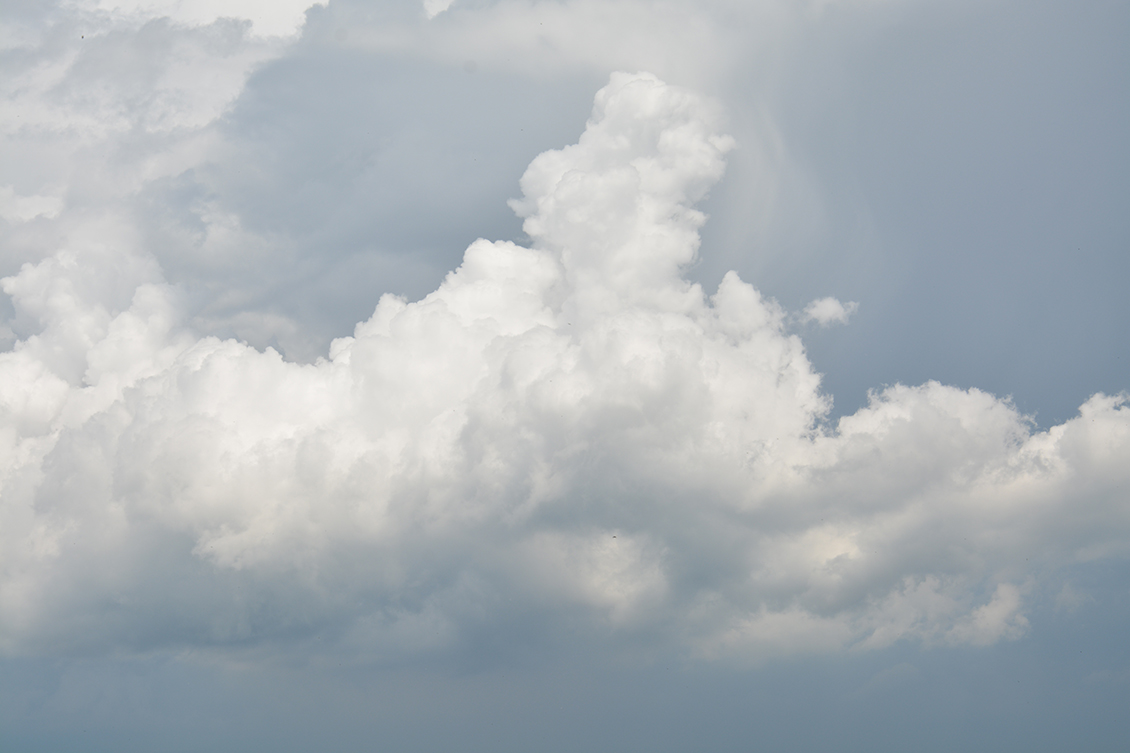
pixel 569 432
pixel 545 39
pixel 433 8
pixel 15 208
pixel 103 109
pixel 268 18
pixel 828 311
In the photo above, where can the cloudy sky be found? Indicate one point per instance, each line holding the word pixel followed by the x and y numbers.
pixel 566 375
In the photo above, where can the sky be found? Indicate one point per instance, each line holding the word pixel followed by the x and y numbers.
pixel 576 375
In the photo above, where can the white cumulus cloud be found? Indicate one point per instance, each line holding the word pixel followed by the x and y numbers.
pixel 828 311
pixel 565 432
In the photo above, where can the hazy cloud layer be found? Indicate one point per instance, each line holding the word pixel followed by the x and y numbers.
pixel 568 435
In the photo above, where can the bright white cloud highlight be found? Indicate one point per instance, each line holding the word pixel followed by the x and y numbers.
pixel 570 431
pixel 433 8
pixel 828 311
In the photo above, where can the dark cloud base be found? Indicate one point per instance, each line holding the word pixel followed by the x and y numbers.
pixel 1065 687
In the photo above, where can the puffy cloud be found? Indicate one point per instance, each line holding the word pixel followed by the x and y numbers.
pixel 103 104
pixel 828 311
pixel 565 433
pixel 433 8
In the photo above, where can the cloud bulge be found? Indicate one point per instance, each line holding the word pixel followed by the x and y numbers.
pixel 564 433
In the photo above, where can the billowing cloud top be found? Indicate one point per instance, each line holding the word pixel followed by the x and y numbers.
pixel 566 434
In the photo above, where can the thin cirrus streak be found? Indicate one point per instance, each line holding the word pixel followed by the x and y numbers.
pixel 570 431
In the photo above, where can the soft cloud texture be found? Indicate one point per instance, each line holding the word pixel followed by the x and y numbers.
pixel 433 8
pixel 826 311
pixel 578 486
pixel 569 433
pixel 271 18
